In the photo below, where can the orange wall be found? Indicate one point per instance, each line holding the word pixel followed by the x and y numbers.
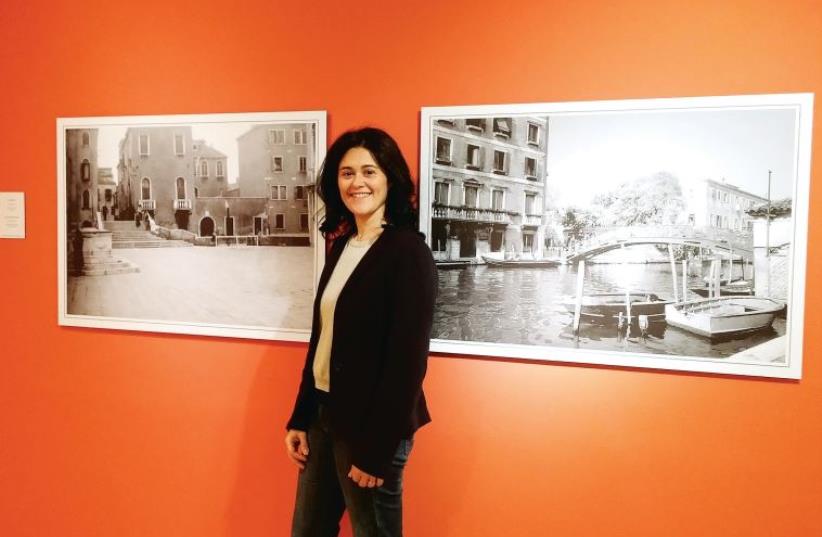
pixel 106 433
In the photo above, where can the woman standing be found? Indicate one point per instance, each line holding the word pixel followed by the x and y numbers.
pixel 361 400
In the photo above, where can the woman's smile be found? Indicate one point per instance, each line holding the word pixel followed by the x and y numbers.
pixel 363 185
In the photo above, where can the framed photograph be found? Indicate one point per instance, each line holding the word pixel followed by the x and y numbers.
pixel 660 233
pixel 192 224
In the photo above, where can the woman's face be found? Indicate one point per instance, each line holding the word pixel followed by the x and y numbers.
pixel 363 185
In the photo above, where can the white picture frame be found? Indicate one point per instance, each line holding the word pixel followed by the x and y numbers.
pixel 590 150
pixel 232 274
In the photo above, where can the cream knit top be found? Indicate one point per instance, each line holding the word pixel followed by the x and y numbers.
pixel 349 259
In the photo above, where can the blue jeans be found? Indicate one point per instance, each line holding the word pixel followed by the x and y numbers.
pixel 324 490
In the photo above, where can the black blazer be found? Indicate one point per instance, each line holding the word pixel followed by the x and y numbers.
pixel 379 352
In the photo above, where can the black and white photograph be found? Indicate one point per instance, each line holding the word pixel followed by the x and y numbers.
pixel 662 233
pixel 194 224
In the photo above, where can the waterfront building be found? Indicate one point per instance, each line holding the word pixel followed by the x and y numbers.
pixel 488 186
pixel 720 205
pixel 772 240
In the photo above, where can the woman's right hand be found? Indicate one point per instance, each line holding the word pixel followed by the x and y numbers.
pixel 296 445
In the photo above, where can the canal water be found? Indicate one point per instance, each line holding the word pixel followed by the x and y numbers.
pixel 524 306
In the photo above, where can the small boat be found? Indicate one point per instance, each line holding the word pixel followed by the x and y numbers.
pixel 734 288
pixel 444 265
pixel 723 316
pixel 523 263
pixel 605 308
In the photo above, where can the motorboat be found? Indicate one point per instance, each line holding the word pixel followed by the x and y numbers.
pixel 456 264
pixel 734 288
pixel 723 316
pixel 607 308
pixel 521 263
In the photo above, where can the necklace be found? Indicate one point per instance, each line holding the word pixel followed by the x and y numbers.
pixel 369 236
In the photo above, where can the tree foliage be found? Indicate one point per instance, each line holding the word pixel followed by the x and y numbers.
pixel 656 199
pixel 575 221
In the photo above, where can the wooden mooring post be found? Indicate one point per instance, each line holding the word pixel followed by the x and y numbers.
pixel 718 283
pixel 627 289
pixel 711 278
pixel 580 287
pixel 673 272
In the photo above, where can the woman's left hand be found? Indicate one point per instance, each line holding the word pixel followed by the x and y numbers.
pixel 363 479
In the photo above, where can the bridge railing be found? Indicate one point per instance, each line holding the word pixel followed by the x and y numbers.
pixel 602 236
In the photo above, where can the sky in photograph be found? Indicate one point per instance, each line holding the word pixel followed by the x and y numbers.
pixel 222 137
pixel 592 153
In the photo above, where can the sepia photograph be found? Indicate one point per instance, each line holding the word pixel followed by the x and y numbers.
pixel 663 233
pixel 194 224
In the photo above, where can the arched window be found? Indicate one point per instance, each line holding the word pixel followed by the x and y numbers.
pixel 204 168
pixel 146 189
pixel 181 188
pixel 219 168
pixel 85 139
pixel 86 200
pixel 85 170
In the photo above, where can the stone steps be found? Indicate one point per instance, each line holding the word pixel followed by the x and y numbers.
pixel 120 225
pixel 132 236
pixel 108 268
pixel 155 243
pixel 126 235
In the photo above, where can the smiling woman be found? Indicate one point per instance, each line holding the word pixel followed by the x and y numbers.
pixel 363 187
pixel 361 400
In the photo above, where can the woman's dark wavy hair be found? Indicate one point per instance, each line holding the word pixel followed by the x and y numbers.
pixel 399 203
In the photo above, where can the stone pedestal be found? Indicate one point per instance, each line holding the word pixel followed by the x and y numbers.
pixel 97 258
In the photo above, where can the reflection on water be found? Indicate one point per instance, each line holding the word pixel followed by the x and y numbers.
pixel 524 306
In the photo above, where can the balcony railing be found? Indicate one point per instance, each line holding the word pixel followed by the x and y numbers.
pixel 473 214
pixel 533 219
pixel 146 205
pixel 182 205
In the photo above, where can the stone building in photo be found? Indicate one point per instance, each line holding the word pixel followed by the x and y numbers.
pixel 721 205
pixel 81 178
pixel 488 191
pixel 106 190
pixel 156 172
pixel 276 164
pixel 772 242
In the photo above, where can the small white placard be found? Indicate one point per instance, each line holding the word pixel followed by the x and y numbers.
pixel 12 215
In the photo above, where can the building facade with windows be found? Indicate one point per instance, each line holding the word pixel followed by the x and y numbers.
pixel 106 189
pixel 488 186
pixel 210 170
pixel 721 205
pixel 156 171
pixel 81 178
pixel 276 163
